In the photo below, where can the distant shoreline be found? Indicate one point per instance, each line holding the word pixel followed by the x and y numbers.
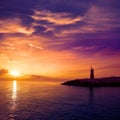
pixel 98 82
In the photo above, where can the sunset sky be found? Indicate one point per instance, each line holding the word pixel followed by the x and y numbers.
pixel 60 38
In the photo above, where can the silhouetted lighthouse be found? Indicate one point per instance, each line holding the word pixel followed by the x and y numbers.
pixel 92 73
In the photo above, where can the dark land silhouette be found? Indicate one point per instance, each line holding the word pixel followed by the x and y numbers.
pixel 94 82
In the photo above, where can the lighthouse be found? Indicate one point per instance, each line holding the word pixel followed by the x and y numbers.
pixel 92 73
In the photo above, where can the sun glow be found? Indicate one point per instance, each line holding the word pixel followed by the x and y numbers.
pixel 15 73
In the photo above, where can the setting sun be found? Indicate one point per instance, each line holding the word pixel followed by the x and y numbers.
pixel 15 73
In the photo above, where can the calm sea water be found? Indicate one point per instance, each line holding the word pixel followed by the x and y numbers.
pixel 26 100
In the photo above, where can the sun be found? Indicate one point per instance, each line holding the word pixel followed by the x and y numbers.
pixel 15 73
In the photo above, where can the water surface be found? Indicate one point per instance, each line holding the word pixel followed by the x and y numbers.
pixel 34 100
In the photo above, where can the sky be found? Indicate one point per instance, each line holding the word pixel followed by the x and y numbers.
pixel 60 38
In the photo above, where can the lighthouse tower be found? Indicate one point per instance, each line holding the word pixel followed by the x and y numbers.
pixel 92 73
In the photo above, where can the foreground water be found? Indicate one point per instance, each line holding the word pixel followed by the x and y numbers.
pixel 26 100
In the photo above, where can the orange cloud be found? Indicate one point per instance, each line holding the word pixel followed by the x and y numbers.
pixel 14 26
pixel 56 18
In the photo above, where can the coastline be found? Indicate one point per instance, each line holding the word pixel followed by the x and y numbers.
pixel 98 82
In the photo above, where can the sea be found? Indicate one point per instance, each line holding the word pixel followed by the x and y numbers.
pixel 35 100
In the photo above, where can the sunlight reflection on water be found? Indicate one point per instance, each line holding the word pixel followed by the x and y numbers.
pixel 14 99
pixel 14 90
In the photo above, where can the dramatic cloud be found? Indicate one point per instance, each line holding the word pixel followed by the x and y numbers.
pixel 97 19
